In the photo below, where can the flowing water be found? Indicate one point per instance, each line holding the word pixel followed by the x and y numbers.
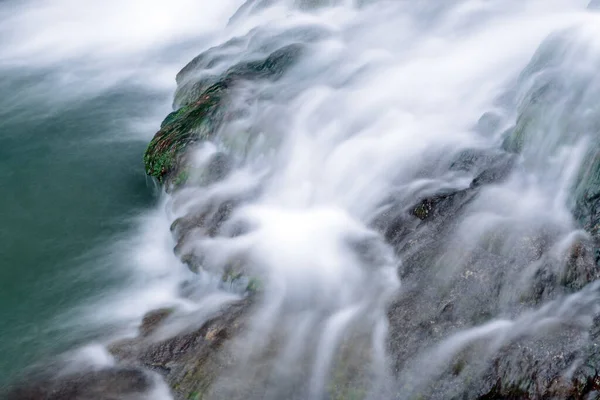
pixel 82 90
pixel 382 109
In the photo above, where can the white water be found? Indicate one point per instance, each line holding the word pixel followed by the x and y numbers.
pixel 377 110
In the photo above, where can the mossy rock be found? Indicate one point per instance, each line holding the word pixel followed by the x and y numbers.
pixel 174 116
pixel 270 68
pixel 273 67
pixel 202 113
pixel 181 178
pixel 255 285
pixel 183 128
pixel 423 210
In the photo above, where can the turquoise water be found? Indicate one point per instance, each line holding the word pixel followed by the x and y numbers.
pixel 72 182
pixel 83 88
pixel 78 105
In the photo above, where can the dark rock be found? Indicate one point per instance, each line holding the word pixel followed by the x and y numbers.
pixel 494 168
pixel 219 166
pixel 106 384
pixel 270 68
pixel 556 366
pixel 153 320
pixel 257 45
pixel 191 360
pixel 440 204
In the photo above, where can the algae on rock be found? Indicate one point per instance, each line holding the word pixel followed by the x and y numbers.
pixel 203 110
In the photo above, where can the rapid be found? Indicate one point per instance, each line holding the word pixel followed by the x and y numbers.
pixel 408 199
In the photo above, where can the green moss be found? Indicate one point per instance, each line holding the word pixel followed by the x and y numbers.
pixel 192 123
pixel 421 211
pixel 255 285
pixel 174 116
pixel 272 67
pixel 199 118
pixel 195 396
pixel 181 178
pixel 231 275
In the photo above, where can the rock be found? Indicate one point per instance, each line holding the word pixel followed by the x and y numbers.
pixel 545 368
pixel 587 194
pixel 559 108
pixel 106 384
pixel 153 320
pixel 489 123
pixel 257 45
pixel 191 360
pixel 202 110
pixel 440 204
pixel 490 168
pixel 164 156
pixel 272 68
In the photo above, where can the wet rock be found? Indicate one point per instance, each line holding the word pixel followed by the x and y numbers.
pixel 201 110
pixel 397 222
pixel 273 67
pixel 200 222
pixel 490 168
pixel 432 307
pixel 587 203
pixel 190 360
pixel 219 166
pixel 558 108
pixel 581 266
pixel 440 204
pixel 198 121
pixel 106 384
pixel 270 68
pixel 153 320
pixel 257 45
pixel 489 123
pixel 544 369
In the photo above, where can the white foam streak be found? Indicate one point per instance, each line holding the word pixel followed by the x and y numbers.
pixel 332 333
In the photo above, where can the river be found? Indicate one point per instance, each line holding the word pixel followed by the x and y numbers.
pixel 392 112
